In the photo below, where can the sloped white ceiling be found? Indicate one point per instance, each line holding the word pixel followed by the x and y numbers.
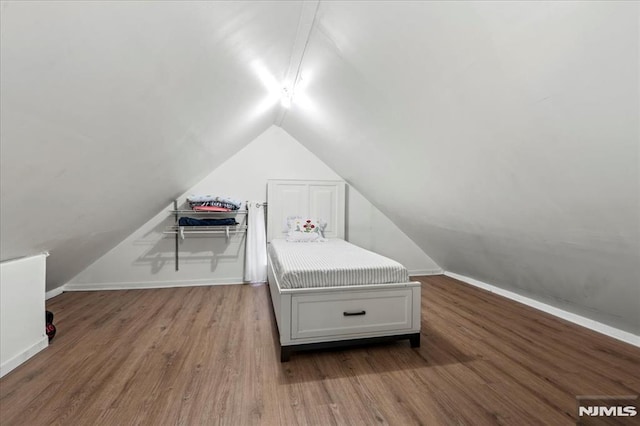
pixel 501 136
pixel 111 109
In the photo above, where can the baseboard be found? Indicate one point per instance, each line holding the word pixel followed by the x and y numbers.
pixel 419 272
pixel 23 356
pixel 150 284
pixel 53 293
pixel 616 333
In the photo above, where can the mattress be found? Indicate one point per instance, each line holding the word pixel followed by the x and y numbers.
pixel 331 264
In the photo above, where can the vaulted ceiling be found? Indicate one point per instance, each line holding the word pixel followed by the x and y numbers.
pixel 110 109
pixel 502 137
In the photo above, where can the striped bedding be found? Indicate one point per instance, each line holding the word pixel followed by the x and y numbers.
pixel 330 264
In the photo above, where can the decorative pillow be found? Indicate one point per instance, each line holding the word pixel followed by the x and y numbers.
pixel 302 229
pixel 306 225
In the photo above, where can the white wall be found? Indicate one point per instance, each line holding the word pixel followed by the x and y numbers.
pixel 110 107
pixel 146 259
pixel 502 136
pixel 22 311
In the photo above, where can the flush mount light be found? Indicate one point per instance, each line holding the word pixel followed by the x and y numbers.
pixel 286 98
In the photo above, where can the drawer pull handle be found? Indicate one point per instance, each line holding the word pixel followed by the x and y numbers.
pixel 353 313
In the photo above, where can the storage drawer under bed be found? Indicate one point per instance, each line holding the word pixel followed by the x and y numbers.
pixel 350 312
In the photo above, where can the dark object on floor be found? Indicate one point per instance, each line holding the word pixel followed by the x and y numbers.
pixel 50 328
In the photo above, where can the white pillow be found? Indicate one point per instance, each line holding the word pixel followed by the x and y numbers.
pixel 305 225
pixel 302 229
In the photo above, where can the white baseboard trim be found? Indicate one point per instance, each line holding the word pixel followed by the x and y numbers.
pixel 53 293
pixel 23 356
pixel 150 284
pixel 560 313
pixel 417 272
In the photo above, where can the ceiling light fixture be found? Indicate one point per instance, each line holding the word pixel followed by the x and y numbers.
pixel 286 98
pixel 308 14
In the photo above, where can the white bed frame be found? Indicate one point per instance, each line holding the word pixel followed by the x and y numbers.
pixel 315 318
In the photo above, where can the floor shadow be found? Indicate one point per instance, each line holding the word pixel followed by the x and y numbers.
pixel 367 358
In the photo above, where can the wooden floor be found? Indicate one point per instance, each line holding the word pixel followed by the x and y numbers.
pixel 207 355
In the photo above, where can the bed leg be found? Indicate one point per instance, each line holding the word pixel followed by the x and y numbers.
pixel 415 340
pixel 285 354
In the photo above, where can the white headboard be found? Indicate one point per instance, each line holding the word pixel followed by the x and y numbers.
pixel 321 199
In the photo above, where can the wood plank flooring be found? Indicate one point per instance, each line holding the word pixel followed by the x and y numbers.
pixel 208 355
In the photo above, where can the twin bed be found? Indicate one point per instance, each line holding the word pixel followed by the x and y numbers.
pixel 332 293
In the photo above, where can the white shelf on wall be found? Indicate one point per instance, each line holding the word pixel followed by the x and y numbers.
pixel 223 229
pixel 181 231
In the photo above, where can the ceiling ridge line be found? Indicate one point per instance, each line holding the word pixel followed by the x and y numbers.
pixel 308 15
